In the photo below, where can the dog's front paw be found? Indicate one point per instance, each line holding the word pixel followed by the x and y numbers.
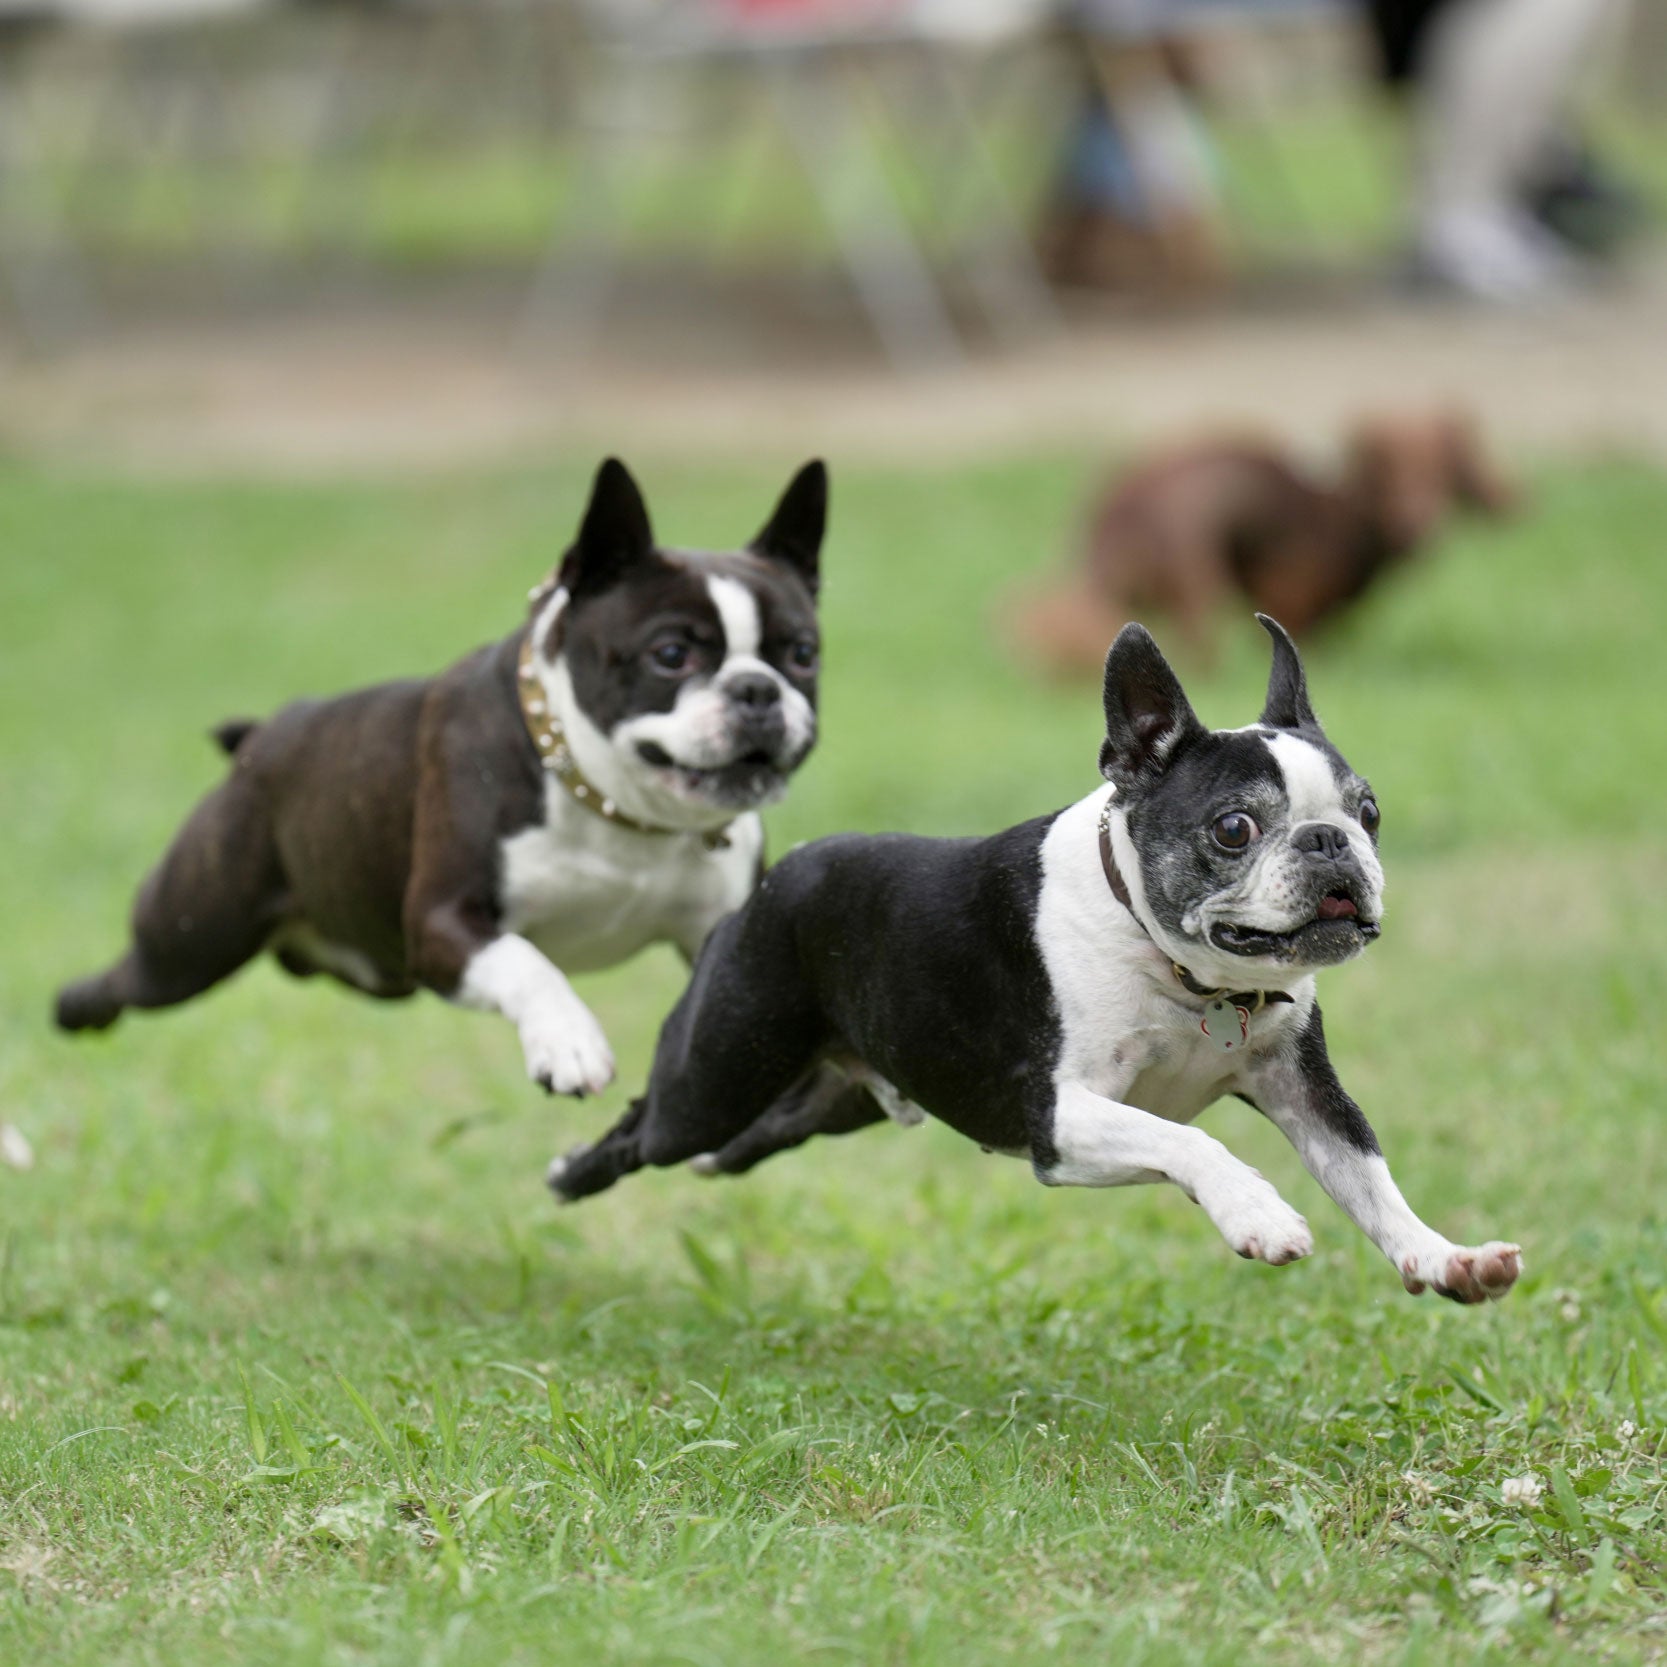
pixel 1461 1273
pixel 1259 1224
pixel 567 1052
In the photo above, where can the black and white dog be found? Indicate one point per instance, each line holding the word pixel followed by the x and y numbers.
pixel 560 799
pixel 1073 991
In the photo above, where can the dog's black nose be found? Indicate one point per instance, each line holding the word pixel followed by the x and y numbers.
pixel 754 689
pixel 1324 840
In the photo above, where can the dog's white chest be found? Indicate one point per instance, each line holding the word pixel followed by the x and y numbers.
pixel 1121 1035
pixel 590 894
pixel 1182 1078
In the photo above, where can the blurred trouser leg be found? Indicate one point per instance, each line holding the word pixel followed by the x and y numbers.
pixel 1496 74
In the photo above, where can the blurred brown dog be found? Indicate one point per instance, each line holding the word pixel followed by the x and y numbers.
pixel 1186 527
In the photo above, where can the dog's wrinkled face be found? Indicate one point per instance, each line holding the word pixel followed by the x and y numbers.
pixel 702 675
pixel 687 679
pixel 1256 848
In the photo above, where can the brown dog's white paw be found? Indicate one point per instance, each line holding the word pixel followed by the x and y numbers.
pixel 1481 1273
pixel 567 1053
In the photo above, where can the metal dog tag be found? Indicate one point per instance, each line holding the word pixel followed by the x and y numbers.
pixel 1226 1025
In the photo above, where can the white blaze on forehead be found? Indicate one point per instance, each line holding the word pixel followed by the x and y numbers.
pixel 738 612
pixel 1310 782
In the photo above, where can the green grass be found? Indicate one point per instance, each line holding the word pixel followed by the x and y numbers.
pixel 299 1365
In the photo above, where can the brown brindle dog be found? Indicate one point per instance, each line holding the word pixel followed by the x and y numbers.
pixel 554 802
pixel 1187 527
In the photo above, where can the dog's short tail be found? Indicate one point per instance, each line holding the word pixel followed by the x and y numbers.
pixel 231 735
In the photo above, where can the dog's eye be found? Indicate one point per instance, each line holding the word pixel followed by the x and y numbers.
pixel 1235 830
pixel 670 656
pixel 803 654
pixel 1369 815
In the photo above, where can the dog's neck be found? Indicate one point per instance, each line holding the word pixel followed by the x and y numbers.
pixel 1368 548
pixel 1368 542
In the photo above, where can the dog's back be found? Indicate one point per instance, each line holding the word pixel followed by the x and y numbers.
pixel 1181 531
pixel 1174 534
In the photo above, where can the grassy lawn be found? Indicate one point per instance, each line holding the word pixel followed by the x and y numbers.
pixel 298 1364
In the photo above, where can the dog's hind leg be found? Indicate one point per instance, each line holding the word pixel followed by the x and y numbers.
pixel 745 1031
pixel 596 1167
pixel 826 1102
pixel 722 1091
pixel 208 907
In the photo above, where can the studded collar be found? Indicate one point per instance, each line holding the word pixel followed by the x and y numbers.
pixel 556 754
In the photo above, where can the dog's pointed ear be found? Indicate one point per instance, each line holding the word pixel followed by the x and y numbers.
pixel 1147 712
pixel 1287 706
pixel 794 532
pixel 613 535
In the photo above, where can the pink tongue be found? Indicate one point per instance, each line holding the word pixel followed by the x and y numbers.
pixel 1335 908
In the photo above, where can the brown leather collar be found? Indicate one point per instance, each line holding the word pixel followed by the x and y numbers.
pixel 1253 999
pixel 550 740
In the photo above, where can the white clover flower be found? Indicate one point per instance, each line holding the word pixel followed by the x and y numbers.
pixel 1421 1488
pixel 1525 1491
pixel 1626 1430
pixel 15 1150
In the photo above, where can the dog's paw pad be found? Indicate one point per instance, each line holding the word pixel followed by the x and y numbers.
pixel 1467 1274
pixel 1482 1274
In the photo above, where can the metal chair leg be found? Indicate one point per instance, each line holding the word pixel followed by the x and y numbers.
pixel 1004 274
pixel 48 291
pixel 892 277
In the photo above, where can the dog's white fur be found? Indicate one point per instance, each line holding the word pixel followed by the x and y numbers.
pixel 563 1043
pixel 1135 1069
pixel 582 892
pixel 738 609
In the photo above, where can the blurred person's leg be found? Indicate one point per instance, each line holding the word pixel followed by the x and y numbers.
pixel 1135 201
pixel 1495 76
pixel 1575 189
pixel 1592 208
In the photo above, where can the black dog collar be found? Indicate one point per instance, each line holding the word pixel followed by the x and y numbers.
pixel 1254 1000
pixel 550 740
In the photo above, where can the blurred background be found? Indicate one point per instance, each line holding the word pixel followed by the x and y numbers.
pixel 315 319
pixel 339 233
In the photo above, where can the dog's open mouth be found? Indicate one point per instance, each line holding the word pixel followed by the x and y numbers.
pixel 749 779
pixel 1337 931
